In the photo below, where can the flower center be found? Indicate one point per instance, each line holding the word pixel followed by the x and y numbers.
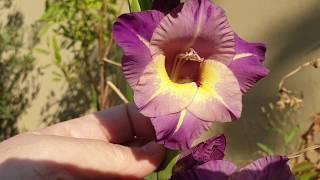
pixel 185 67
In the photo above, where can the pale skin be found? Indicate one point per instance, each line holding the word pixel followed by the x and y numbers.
pixel 103 145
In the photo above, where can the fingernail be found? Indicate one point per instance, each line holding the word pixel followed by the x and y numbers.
pixel 153 148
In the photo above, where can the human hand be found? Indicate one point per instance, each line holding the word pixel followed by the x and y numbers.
pixel 89 147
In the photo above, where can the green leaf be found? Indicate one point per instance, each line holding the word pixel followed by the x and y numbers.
pixel 56 79
pixel 167 166
pixel 302 167
pixel 56 50
pixel 94 99
pixel 145 4
pixel 44 29
pixel 309 176
pixel 134 5
pixel 152 176
pixel 129 93
pixel 279 131
pixel 265 148
pixel 53 13
pixel 41 51
pixel 44 66
pixel 289 137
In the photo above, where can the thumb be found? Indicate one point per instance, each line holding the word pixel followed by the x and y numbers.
pixel 136 162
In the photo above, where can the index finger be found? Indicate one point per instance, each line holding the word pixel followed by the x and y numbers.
pixel 118 124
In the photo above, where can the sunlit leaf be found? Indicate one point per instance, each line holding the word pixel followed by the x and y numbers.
pixel 134 5
pixel 56 50
pixel 152 176
pixel 53 13
pixel 44 29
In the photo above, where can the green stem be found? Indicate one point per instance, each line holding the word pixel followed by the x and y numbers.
pixel 165 170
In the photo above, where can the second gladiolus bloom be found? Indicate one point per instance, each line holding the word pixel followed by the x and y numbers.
pixel 187 68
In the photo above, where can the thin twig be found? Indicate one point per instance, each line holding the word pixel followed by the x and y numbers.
pixel 117 91
pixel 112 62
pixel 105 55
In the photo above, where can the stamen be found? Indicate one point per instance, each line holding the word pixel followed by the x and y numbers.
pixel 190 55
pixel 181 59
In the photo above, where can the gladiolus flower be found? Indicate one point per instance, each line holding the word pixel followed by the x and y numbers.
pixel 266 168
pixel 212 149
pixel 187 68
pixel 200 167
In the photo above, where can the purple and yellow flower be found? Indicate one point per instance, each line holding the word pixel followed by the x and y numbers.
pixel 187 67
pixel 197 166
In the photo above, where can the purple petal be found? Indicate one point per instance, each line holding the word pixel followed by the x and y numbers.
pixel 215 170
pixel 248 68
pixel 257 49
pixel 267 168
pixel 222 166
pixel 211 149
pixel 177 131
pixel 199 25
pixel 132 32
pixel 219 97
pixel 165 6
pixel 156 95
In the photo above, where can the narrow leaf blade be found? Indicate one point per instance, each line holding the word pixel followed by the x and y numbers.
pixel 265 148
pixel 56 50
pixel 134 5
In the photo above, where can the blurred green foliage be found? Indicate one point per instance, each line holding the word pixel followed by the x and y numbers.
pixel 305 171
pixel 284 124
pixel 17 88
pixel 82 28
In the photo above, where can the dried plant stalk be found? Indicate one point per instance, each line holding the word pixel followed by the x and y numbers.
pixel 112 62
pixel 287 98
pixel 117 91
pixel 313 63
pixel 103 58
